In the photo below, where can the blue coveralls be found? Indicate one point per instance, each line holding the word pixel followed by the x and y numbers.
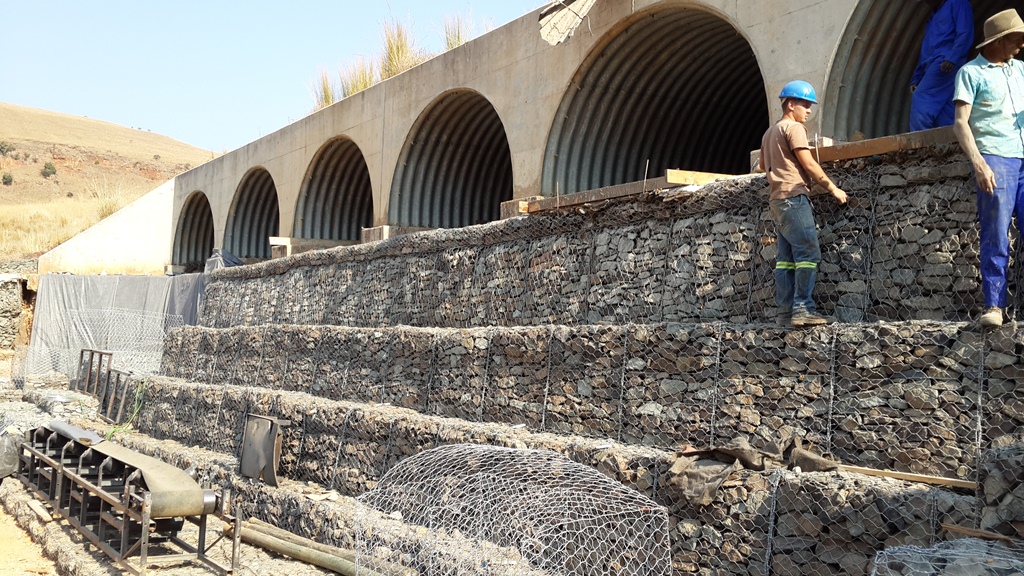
pixel 948 36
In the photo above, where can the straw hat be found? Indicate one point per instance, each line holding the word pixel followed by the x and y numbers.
pixel 1006 22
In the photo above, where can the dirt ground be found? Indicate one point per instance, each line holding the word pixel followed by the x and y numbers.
pixel 20 555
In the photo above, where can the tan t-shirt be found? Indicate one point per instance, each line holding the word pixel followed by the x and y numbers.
pixel 785 174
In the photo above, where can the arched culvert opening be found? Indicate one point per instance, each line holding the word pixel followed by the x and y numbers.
pixel 254 217
pixel 193 239
pixel 868 92
pixel 676 88
pixel 456 167
pixel 336 201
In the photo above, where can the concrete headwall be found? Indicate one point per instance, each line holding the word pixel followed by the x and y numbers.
pixel 641 87
pixel 136 239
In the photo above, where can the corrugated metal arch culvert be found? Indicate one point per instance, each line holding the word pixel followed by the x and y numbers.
pixel 678 87
pixel 868 93
pixel 456 166
pixel 193 239
pixel 254 217
pixel 336 201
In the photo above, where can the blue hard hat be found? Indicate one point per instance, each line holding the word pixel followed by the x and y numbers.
pixel 799 89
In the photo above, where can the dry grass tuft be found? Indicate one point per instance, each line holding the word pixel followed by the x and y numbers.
pixel 458 30
pixel 400 51
pixel 358 77
pixel 37 228
pixel 324 91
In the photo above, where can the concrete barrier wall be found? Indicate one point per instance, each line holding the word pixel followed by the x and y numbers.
pixel 904 249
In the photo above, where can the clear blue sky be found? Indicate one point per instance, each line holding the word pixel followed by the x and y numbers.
pixel 215 73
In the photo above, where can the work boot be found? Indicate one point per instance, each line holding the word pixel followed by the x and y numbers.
pixel 803 318
pixel 784 319
pixel 992 317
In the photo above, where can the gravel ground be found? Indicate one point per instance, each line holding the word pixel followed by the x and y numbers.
pixel 57 548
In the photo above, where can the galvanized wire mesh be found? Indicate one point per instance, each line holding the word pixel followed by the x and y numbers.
pixel 136 338
pixel 559 516
pixel 920 397
pixel 905 248
pixel 974 557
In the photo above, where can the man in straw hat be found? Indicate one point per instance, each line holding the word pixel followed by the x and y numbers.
pixel 989 124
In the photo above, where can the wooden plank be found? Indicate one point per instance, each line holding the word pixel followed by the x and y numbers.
pixel 885 145
pixel 40 511
pixel 599 195
pixel 983 534
pixel 909 477
pixel 690 178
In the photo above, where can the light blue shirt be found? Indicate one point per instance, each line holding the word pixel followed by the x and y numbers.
pixel 996 96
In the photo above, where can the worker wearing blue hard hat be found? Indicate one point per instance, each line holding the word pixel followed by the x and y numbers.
pixel 947 40
pixel 792 173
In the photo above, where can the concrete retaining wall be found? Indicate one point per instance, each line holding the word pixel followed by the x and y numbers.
pixel 904 249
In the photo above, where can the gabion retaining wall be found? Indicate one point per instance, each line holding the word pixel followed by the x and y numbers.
pixel 760 522
pixel 905 248
pixel 921 397
pixel 10 311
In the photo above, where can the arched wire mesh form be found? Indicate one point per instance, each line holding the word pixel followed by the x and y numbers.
pixel 255 216
pixel 193 240
pixel 969 556
pixel 638 105
pixel 560 516
pixel 869 88
pixel 337 198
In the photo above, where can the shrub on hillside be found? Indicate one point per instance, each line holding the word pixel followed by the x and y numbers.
pixel 6 148
pixel 48 170
pixel 8 179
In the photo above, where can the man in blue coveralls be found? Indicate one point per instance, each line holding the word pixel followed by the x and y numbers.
pixel 947 39
pixel 990 127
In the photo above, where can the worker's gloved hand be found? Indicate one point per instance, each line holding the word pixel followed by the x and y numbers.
pixel 947 66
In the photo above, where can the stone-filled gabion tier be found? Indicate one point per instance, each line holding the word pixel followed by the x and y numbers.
pixel 1002 489
pixel 904 248
pixel 10 310
pixel 922 397
pixel 776 522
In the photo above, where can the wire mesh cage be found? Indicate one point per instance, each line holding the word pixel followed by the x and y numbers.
pixel 545 511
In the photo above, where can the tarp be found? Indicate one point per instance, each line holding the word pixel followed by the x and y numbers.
pixel 122 314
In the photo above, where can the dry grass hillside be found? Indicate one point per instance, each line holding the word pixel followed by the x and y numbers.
pixel 98 167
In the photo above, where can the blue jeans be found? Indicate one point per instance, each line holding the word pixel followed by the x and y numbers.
pixel 995 211
pixel 796 266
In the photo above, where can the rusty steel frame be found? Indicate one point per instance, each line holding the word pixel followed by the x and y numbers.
pixel 98 378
